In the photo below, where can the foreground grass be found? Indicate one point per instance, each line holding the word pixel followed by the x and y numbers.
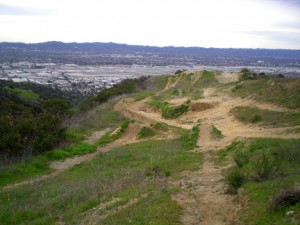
pixel 128 172
pixel 266 117
pixel 39 165
pixel 265 168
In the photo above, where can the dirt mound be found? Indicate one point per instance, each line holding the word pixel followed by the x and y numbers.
pixel 200 106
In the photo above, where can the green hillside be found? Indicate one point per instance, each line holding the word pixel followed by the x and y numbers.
pixel 201 147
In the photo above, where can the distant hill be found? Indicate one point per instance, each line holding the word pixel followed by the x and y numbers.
pixel 27 93
pixel 112 53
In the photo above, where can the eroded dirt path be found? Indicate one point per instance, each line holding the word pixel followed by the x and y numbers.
pixel 203 193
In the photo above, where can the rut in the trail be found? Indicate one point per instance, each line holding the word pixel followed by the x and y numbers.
pixel 202 195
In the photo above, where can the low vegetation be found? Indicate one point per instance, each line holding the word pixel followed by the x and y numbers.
pixel 189 138
pixel 23 94
pixel 111 137
pixel 170 112
pixel 266 117
pixel 38 165
pixel 135 171
pixel 268 172
pixel 146 132
pixel 216 133
pixel 278 91
pixel 207 79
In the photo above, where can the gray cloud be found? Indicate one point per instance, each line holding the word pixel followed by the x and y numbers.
pixel 22 11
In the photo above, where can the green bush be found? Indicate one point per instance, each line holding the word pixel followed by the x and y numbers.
pixel 266 167
pixel 235 180
pixel 241 158
pixel 127 86
pixel 170 112
pixel 146 132
pixel 175 112
pixel 256 118
pixel 189 139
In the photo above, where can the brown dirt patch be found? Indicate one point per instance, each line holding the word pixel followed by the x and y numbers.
pixel 200 106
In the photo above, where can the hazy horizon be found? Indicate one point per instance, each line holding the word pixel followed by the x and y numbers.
pixel 166 46
pixel 255 24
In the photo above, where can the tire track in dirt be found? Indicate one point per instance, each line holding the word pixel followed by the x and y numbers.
pixel 203 193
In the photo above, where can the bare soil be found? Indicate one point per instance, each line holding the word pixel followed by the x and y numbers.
pixel 203 193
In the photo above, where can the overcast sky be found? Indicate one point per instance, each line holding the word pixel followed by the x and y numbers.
pixel 203 23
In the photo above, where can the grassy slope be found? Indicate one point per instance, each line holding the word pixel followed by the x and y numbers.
pixel 22 93
pixel 279 91
pixel 126 172
pixel 268 167
pixel 38 165
pixel 266 117
pixel 131 171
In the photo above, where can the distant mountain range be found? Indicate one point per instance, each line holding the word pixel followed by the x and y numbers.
pixel 112 53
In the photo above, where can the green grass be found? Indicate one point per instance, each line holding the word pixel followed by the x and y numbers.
pixel 295 131
pixel 22 93
pixel 216 133
pixel 189 138
pixel 266 117
pixel 207 79
pixel 146 132
pixel 38 165
pixel 230 149
pixel 158 208
pixel 120 173
pixel 142 95
pixel 156 83
pixel 76 134
pixel 99 118
pixel 170 112
pixel 197 94
pixel 109 137
pixel 285 92
pixel 265 168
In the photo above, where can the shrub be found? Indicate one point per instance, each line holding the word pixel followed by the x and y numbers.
pixel 169 112
pixel 265 168
pixel 235 180
pixel 146 132
pixel 241 158
pixel 175 112
pixel 256 118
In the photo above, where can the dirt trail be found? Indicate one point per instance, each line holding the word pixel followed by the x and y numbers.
pixel 202 194
pixel 96 136
pixel 204 136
